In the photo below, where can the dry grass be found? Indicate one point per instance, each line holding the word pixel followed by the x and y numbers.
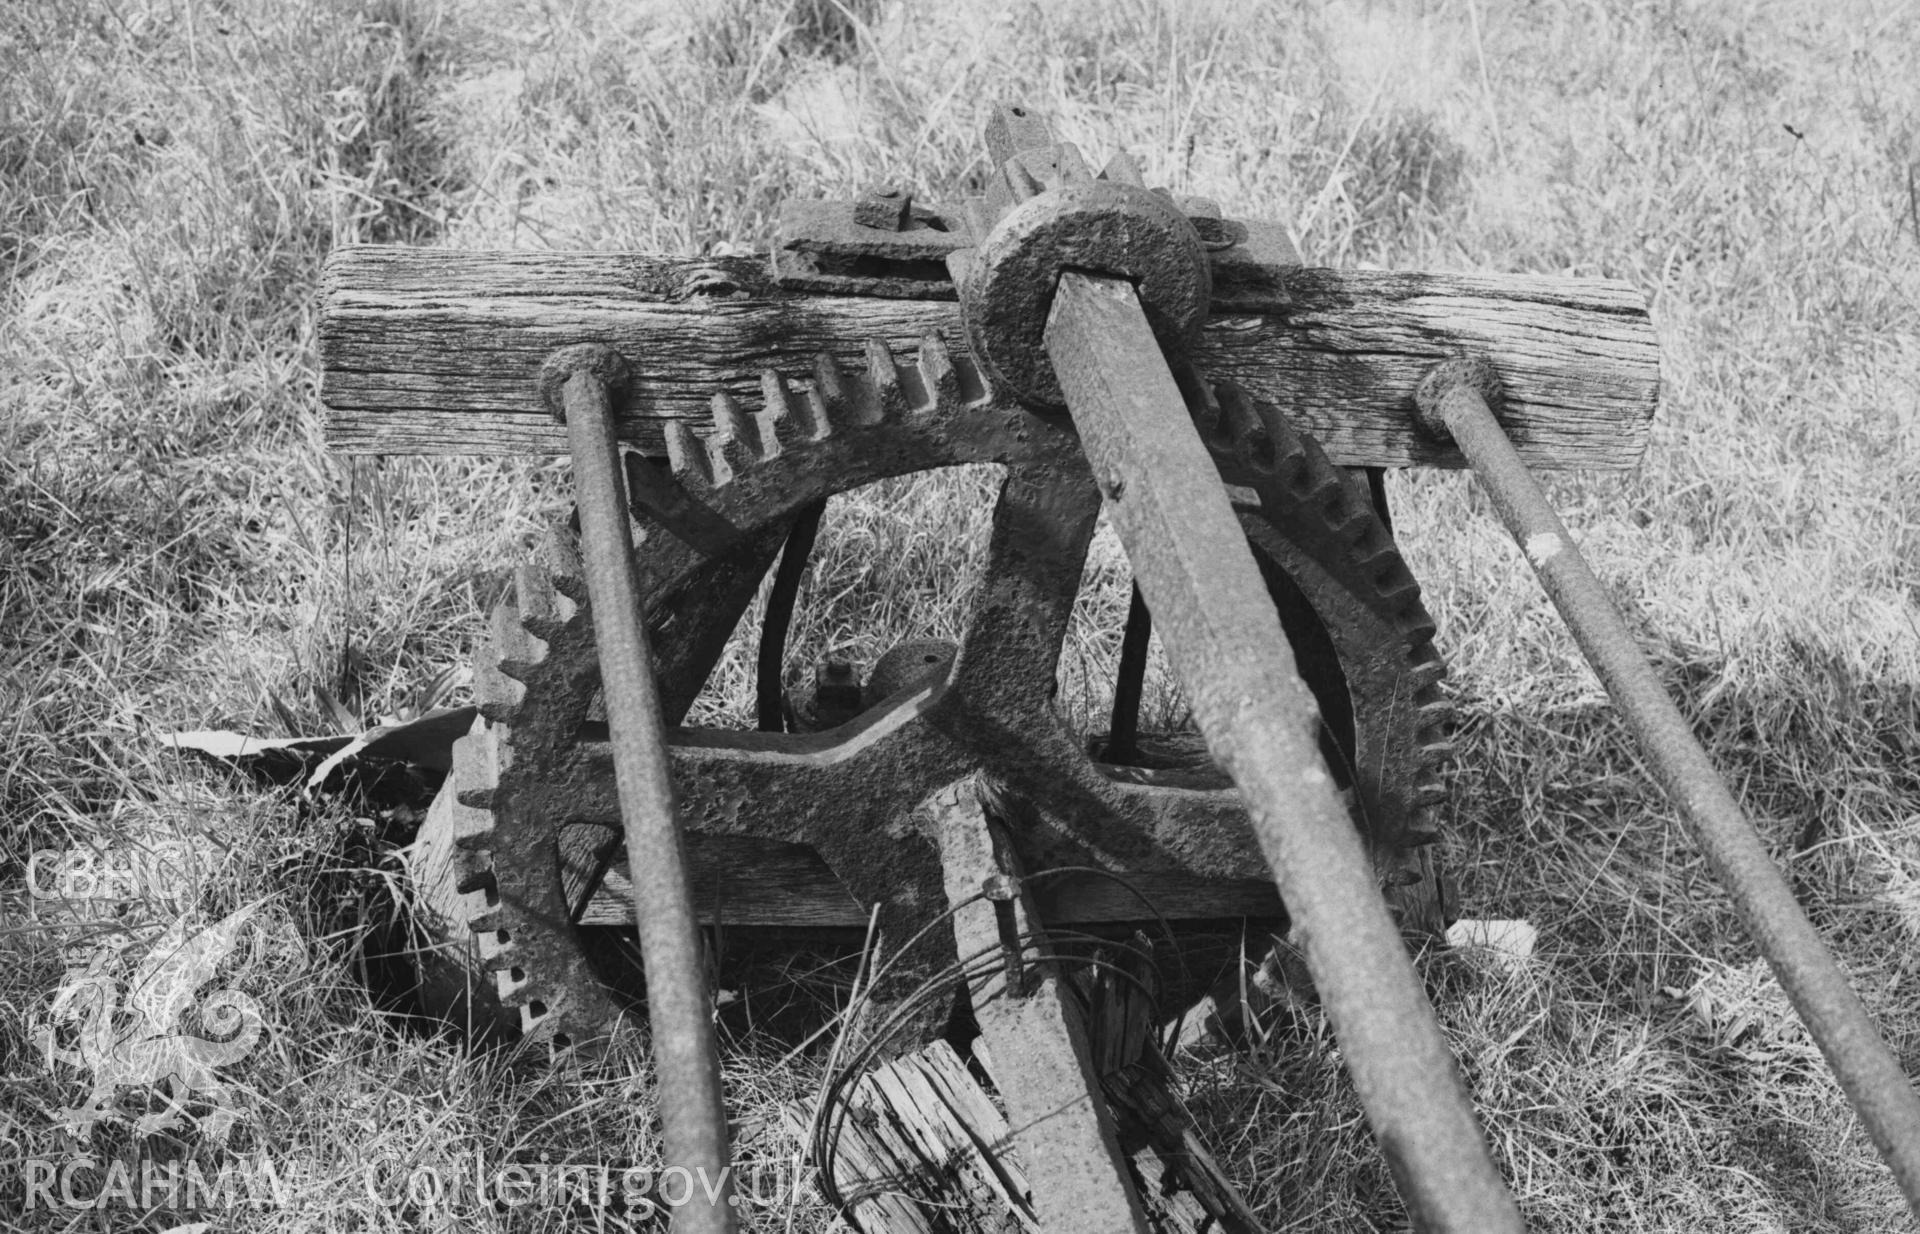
pixel 179 552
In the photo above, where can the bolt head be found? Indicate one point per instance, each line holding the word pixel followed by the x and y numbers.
pixel 597 359
pixel 1461 372
pixel 836 688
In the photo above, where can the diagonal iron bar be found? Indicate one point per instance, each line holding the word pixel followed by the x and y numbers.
pixel 1224 639
pixel 679 1009
pixel 1123 733
pixel 1453 403
pixel 769 686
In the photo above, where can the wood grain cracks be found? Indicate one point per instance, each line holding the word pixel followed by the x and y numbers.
pixel 434 351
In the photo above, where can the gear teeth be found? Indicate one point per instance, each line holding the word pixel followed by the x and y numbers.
pixel 476 770
pixel 516 648
pixel 479 841
pixel 1401 597
pixel 1347 513
pixel 562 577
pixel 476 799
pixel 835 400
pixel 1297 483
pixel 544 610
pixel 974 387
pixel 1297 474
pixel 1425 677
pixel 475 875
pixel 939 380
pixel 1412 616
pixel 810 411
pixel 490 947
pixel 735 444
pixel 889 400
pixel 553 623
pixel 501 710
pixel 1371 544
pixel 1021 182
pixel 520 670
pixel 558 555
pixel 1122 168
pixel 783 416
pixel 687 455
pixel 533 592
pixel 1384 568
pixel 1204 407
pixel 503 958
pixel 526 993
pixel 1242 422
pixel 498 693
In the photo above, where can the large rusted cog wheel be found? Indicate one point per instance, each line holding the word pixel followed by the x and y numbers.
pixel 500 891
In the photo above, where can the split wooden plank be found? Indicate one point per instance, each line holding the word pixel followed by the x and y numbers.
pixel 435 351
pixel 921 1149
pixel 1058 1119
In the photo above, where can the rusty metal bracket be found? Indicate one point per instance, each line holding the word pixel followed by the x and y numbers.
pixel 891 246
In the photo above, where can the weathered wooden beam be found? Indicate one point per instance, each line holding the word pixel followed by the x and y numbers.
pixel 434 351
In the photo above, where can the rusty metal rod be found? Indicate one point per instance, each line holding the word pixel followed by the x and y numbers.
pixel 1224 639
pixel 1129 678
pixel 1454 403
pixel 679 1008
pixel 770 687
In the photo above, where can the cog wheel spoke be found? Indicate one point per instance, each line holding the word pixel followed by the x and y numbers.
pixel 1042 525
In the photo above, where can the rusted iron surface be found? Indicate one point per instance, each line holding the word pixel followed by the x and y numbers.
pixel 771 660
pixel 1047 264
pixel 843 793
pixel 1085 224
pixel 1055 1112
pixel 679 1005
pixel 1455 401
pixel 884 209
pixel 1367 653
pixel 1045 212
pixel 833 248
pixel 1225 642
pixel 878 246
